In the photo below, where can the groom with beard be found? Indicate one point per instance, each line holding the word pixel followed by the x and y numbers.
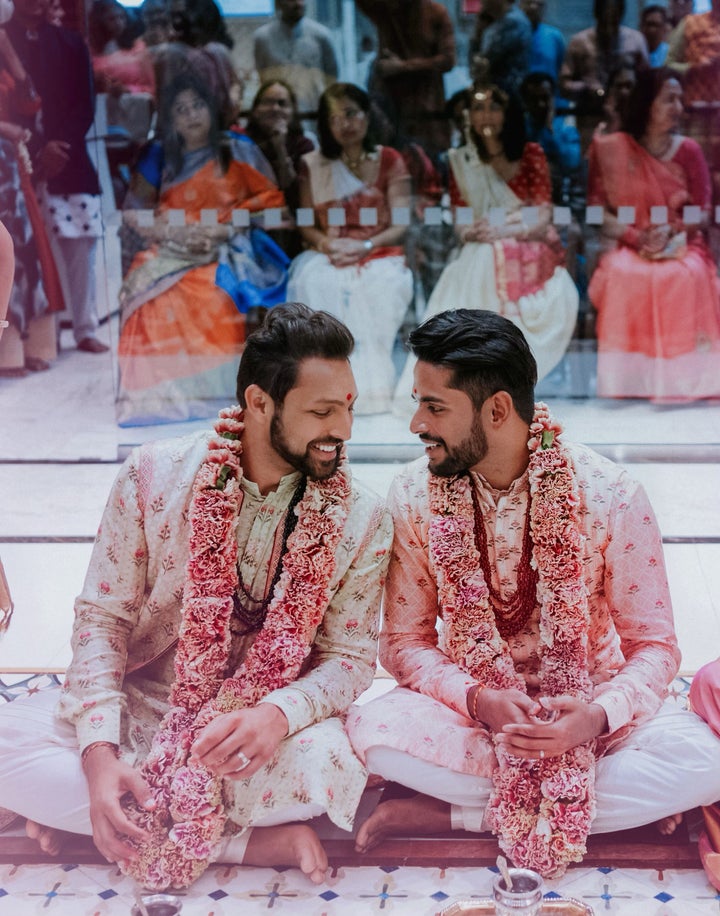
pixel 528 623
pixel 228 619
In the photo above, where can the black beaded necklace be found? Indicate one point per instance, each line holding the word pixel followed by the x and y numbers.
pixel 253 616
pixel 511 614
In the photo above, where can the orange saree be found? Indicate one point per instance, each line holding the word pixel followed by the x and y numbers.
pixel 181 333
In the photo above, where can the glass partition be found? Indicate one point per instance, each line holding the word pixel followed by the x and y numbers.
pixel 547 160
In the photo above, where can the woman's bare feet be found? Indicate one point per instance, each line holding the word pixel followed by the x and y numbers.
pixel 668 825
pixel 419 814
pixel 288 844
pixel 49 838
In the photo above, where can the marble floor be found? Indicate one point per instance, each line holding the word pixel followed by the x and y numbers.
pixel 59 451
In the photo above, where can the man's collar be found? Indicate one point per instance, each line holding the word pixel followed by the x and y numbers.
pixel 287 484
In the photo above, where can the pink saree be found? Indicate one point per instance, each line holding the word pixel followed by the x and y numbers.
pixel 658 320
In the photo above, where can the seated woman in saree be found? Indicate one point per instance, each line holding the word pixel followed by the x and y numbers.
pixel 510 260
pixel 274 125
pixel 656 289
pixel 184 300
pixel 356 268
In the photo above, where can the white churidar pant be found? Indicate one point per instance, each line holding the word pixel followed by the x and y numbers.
pixel 41 777
pixel 667 765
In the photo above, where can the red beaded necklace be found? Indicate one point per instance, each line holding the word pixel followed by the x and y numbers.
pixel 513 612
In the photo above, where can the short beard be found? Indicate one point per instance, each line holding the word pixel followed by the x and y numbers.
pixel 301 462
pixel 463 456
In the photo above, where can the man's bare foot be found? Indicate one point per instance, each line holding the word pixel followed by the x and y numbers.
pixel 419 814
pixel 49 838
pixel 668 825
pixel 288 844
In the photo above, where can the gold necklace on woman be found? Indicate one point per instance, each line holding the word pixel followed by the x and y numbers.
pixel 354 164
pixel 661 153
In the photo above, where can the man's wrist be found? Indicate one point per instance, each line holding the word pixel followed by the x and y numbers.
pixel 600 719
pixel 280 719
pixel 106 747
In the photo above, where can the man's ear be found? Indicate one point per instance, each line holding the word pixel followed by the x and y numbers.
pixel 258 403
pixel 499 408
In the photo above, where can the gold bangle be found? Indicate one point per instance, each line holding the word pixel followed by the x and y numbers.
pixel 478 691
pixel 96 744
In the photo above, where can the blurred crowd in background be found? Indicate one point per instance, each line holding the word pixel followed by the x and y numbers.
pixel 567 181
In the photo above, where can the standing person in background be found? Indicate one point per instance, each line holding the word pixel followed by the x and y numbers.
pixel 30 343
pixel 591 57
pixel 654 26
pixel 7 270
pixel 124 72
pixel 677 11
pixel 120 64
pixel 297 50
pixel 547 50
pixel 416 45
pixel 58 62
pixel 500 48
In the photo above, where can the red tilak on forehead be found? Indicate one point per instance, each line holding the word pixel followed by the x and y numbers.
pixel 414 390
pixel 348 397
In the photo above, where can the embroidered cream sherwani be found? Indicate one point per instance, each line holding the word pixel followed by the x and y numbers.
pixel 128 617
pixel 633 651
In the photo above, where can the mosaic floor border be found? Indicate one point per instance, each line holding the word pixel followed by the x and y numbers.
pixel 227 891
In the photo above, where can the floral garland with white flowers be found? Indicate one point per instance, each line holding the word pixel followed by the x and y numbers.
pixel 540 810
pixel 187 818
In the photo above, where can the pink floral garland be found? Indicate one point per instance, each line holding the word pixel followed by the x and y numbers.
pixel 541 810
pixel 187 819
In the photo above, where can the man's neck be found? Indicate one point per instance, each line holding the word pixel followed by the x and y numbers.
pixel 260 462
pixel 262 471
pixel 505 462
